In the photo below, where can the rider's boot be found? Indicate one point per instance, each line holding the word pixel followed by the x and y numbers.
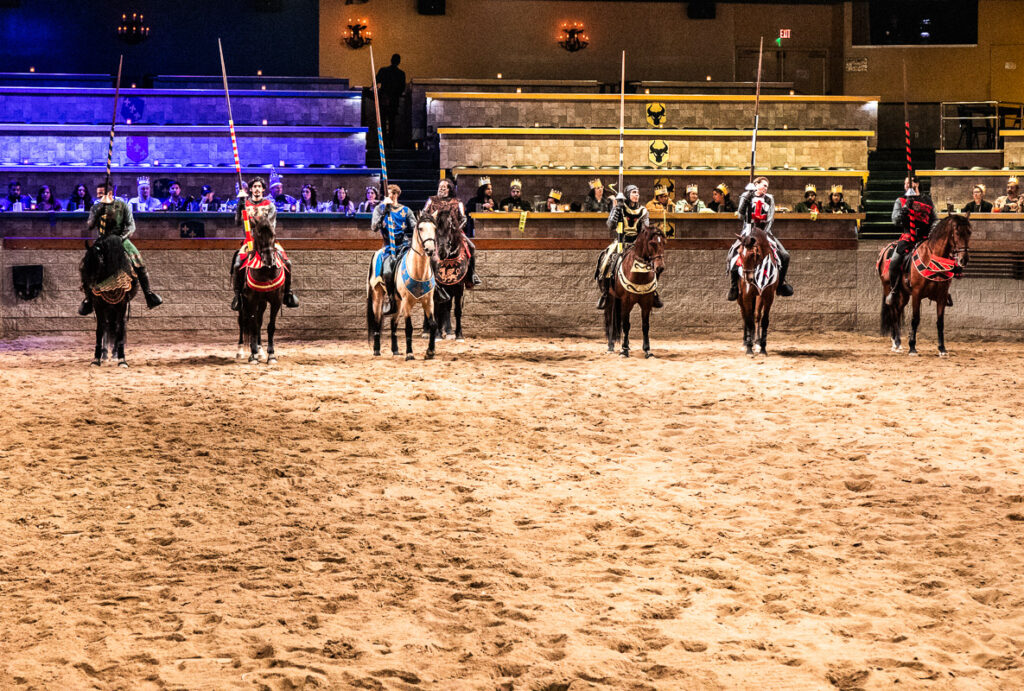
pixel 895 279
pixel 949 300
pixel 784 289
pixel 236 284
pixel 152 299
pixel 658 304
pixel 289 297
pixel 734 289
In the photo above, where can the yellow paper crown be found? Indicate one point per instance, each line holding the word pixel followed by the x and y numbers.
pixel 837 189
pixel 1012 180
pixel 484 182
pixel 555 194
pixel 660 190
pixel 595 183
pixel 723 188
pixel 691 188
pixel 810 188
pixel 516 184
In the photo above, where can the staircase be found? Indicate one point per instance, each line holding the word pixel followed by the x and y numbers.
pixel 415 171
pixel 887 169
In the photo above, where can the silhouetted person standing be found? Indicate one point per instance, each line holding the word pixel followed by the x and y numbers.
pixel 391 83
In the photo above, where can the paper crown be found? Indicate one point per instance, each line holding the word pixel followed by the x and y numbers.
pixel 275 179
pixel 555 194
pixel 484 182
pixel 723 188
pixel 142 180
pixel 1012 180
pixel 659 190
pixel 981 187
pixel 837 189
pixel 595 183
pixel 691 188
pixel 810 188
pixel 515 184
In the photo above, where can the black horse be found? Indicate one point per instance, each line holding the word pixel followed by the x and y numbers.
pixel 108 276
pixel 454 272
pixel 264 286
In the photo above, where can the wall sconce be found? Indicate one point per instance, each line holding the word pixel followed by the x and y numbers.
pixel 357 35
pixel 132 29
pixel 573 37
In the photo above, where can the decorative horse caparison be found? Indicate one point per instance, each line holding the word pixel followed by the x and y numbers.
pixel 933 265
pixel 414 284
pixel 453 259
pixel 635 282
pixel 108 275
pixel 264 286
pixel 759 277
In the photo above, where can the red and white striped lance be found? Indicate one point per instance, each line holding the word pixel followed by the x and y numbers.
pixel 234 142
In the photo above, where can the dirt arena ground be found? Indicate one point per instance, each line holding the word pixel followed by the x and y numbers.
pixel 517 514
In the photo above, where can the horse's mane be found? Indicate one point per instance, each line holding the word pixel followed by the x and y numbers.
pixel 945 227
pixel 104 258
pixel 263 234
pixel 447 227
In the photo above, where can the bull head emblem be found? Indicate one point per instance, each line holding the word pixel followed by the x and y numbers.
pixel 655 114
pixel 657 152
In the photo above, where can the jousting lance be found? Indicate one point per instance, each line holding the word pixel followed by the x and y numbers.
pixel 906 123
pixel 113 120
pixel 757 112
pixel 234 141
pixel 380 132
pixel 622 120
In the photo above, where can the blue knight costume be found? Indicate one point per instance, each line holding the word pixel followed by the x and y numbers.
pixel 396 223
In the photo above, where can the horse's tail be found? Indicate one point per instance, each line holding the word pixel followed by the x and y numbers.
pixel 890 318
pixel 616 326
pixel 371 318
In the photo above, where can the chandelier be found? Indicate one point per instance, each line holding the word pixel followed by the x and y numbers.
pixel 132 29
pixel 573 37
pixel 357 35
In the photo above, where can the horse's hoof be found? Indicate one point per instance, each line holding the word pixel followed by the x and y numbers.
pixel 913 353
pixel 943 353
pixel 410 357
pixel 460 339
pixel 429 355
pixel 105 356
pixel 254 360
pixel 97 362
pixel 376 353
pixel 425 334
pixel 395 353
pixel 122 363
pixel 271 360
pixel 624 353
pixel 648 354
pixel 240 354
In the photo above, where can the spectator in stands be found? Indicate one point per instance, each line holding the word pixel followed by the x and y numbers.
pixel 514 201
pixel 597 201
pixel 45 200
pixel 341 203
pixel 660 204
pixel 80 199
pixel 207 202
pixel 175 202
pixel 372 200
pixel 283 202
pixel 721 202
pixel 836 204
pixel 307 199
pixel 391 85
pixel 483 201
pixel 554 202
pixel 810 204
pixel 691 203
pixel 978 205
pixel 1009 202
pixel 15 200
pixel 144 201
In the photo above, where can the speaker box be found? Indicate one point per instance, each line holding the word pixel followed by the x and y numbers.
pixel 430 6
pixel 700 10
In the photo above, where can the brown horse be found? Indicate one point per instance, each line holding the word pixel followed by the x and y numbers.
pixel 933 265
pixel 264 285
pixel 759 277
pixel 635 282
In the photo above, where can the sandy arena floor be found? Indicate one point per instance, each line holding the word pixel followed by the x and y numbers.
pixel 518 514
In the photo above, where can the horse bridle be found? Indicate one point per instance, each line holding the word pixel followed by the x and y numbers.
pixel 957 253
pixel 423 242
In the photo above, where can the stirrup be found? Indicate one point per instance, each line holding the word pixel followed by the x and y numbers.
pixel 949 300
pixel 85 308
pixel 602 301
pixel 236 302
pixel 658 304
pixel 785 290
pixel 153 300
pixel 290 300
pixel 734 293
pixel 475 280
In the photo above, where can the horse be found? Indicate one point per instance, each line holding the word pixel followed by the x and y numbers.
pixel 264 285
pixel 452 273
pixel 934 264
pixel 759 278
pixel 414 284
pixel 635 282
pixel 108 275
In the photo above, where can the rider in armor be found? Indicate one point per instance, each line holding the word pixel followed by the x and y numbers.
pixel 915 214
pixel 626 219
pixel 446 199
pixel 757 209
pixel 112 215
pixel 396 224
pixel 257 207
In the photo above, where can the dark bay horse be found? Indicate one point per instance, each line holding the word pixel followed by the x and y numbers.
pixel 414 284
pixel 264 286
pixel 635 283
pixel 759 277
pixel 107 274
pixel 453 255
pixel 934 264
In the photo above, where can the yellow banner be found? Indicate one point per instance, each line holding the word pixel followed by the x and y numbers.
pixel 522 221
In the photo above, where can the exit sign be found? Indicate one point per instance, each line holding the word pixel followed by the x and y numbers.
pixel 784 33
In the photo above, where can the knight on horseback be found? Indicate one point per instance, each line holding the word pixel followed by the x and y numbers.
pixel 112 216
pixel 446 199
pixel 257 207
pixel 757 208
pixel 915 214
pixel 627 218
pixel 396 223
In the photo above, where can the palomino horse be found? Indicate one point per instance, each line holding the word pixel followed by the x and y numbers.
pixel 933 265
pixel 108 275
pixel 635 282
pixel 453 254
pixel 759 277
pixel 414 284
pixel 264 285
